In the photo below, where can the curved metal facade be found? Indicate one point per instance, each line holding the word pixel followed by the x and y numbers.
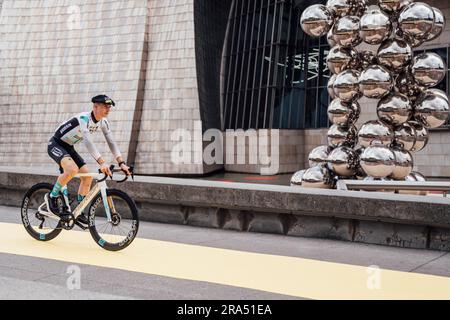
pixel 275 77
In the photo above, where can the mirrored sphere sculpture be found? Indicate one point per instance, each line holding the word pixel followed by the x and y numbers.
pixel 316 20
pixel 339 59
pixel 343 161
pixel 418 176
pixel 428 69
pixel 392 6
pixel 422 136
pixel 339 135
pixel 375 82
pixel 346 85
pixel 359 171
pixel 317 177
pixel 403 164
pixel 330 39
pixel 378 161
pixel 340 7
pixel 405 136
pixel 439 25
pixel 343 113
pixel 359 8
pixel 432 110
pixel 406 84
pixel 394 109
pixel 438 92
pixel 346 31
pixel 319 155
pixel 296 179
pixel 330 86
pixel 375 27
pixel 365 59
pixel 395 54
pixel 416 20
pixel 375 132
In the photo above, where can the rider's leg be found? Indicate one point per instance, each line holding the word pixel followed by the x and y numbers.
pixel 85 184
pixel 70 170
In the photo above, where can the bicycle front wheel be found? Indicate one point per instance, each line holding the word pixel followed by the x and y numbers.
pixel 120 232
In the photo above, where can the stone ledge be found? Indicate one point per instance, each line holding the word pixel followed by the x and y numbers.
pixel 378 218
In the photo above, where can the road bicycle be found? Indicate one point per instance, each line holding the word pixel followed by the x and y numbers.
pixel 113 215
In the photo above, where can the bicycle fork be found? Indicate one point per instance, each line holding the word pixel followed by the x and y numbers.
pixel 105 199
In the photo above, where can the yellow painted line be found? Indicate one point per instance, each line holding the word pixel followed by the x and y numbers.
pixel 278 274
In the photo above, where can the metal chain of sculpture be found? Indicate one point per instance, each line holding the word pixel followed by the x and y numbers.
pixel 407 107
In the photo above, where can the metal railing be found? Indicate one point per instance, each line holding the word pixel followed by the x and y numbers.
pixel 430 186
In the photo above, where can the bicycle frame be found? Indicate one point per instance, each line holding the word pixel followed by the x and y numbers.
pixel 99 187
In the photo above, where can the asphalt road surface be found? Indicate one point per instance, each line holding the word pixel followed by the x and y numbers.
pixel 173 262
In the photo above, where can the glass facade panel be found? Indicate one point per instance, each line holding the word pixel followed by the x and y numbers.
pixel 275 76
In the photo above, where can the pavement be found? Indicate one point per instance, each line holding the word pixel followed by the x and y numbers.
pixel 173 262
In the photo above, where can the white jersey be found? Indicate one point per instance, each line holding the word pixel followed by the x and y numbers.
pixel 80 127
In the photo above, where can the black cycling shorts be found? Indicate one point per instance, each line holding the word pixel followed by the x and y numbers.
pixel 58 150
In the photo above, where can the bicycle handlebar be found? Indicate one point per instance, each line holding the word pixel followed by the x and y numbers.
pixel 105 176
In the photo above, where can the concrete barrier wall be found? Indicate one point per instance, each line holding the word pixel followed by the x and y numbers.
pixel 379 218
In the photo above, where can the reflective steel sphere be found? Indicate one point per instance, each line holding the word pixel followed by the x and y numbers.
pixel 343 113
pixel 317 177
pixel 343 161
pixel 346 31
pixel 422 136
pixel 378 161
pixel 316 20
pixel 339 59
pixel 375 27
pixel 375 82
pixel 319 155
pixel 395 54
pixel 416 20
pixel 370 179
pixel 411 178
pixel 346 85
pixel 375 132
pixel 432 110
pixel 406 84
pixel 405 136
pixel 438 92
pixel 359 171
pixel 418 176
pixel 394 109
pixel 330 87
pixel 340 7
pixel 296 179
pixel 338 136
pixel 439 25
pixel 414 42
pixel 392 6
pixel 403 164
pixel 428 69
pixel 330 39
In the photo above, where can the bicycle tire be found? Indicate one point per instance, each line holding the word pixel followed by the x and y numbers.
pixel 27 199
pixel 94 213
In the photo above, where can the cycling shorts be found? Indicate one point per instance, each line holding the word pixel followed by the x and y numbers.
pixel 58 150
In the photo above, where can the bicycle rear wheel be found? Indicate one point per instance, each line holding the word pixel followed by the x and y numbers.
pixel 119 233
pixel 39 226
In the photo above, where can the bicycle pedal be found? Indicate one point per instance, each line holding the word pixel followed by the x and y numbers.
pixel 81 226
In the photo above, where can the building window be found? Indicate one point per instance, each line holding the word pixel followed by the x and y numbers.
pixel 275 75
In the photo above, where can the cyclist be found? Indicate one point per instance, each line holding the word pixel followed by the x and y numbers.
pixel 61 150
